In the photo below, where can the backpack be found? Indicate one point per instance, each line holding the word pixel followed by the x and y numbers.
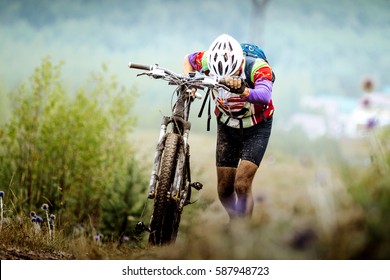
pixel 251 52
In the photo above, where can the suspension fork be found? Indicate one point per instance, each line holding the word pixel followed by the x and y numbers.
pixel 160 148
pixel 185 192
pixel 179 188
pixel 181 126
pixel 157 157
pixel 181 172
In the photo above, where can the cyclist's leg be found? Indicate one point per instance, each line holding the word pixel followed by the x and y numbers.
pixel 243 187
pixel 226 177
pixel 235 188
pixel 255 141
pixel 227 158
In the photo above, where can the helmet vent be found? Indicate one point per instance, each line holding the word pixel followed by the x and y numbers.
pixel 225 57
pixel 220 68
pixel 215 57
pixel 230 47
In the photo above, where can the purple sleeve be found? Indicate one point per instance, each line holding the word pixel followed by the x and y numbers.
pixel 191 59
pixel 262 92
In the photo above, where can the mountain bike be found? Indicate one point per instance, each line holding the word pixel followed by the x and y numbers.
pixel 170 183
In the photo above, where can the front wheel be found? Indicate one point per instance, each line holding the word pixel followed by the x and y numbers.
pixel 166 215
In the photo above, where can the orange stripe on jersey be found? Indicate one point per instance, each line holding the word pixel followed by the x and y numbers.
pixel 263 73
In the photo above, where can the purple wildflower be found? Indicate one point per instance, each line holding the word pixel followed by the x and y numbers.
pixel 1 194
pixel 371 123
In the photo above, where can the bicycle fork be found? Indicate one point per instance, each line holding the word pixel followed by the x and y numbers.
pixel 140 226
pixel 157 157
pixel 178 179
pixel 182 171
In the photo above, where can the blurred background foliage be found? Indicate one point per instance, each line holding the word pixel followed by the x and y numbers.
pixel 370 188
pixel 71 150
pixel 315 48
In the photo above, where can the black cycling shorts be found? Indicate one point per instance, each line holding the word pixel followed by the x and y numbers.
pixel 234 144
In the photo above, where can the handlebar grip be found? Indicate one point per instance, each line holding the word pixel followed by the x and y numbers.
pixel 140 66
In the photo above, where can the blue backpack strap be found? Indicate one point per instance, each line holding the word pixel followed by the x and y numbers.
pixel 249 61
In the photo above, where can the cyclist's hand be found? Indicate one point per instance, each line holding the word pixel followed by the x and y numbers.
pixel 235 84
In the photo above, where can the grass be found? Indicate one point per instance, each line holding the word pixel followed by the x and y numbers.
pixel 306 207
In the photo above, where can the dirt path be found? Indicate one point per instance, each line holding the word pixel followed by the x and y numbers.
pixel 14 253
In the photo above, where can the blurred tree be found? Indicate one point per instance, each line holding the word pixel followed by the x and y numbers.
pixel 257 20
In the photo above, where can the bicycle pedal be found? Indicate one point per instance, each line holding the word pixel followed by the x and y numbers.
pixel 151 195
pixel 196 185
pixel 140 227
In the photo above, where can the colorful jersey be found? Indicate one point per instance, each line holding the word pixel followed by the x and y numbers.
pixel 233 110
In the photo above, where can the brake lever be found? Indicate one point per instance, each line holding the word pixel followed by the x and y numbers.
pixel 224 87
pixel 216 83
pixel 222 84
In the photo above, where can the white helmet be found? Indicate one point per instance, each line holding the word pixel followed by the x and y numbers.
pixel 224 56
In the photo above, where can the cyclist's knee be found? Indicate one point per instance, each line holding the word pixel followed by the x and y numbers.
pixel 243 186
pixel 245 174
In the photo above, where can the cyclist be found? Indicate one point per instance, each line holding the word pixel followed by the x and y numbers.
pixel 244 117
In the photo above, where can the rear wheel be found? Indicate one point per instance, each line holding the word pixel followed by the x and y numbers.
pixel 166 215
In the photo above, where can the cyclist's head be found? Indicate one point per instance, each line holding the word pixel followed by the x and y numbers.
pixel 224 56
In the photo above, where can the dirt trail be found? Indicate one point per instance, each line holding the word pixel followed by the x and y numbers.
pixel 14 253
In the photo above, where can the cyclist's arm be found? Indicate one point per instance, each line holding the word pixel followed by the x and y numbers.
pixel 262 91
pixel 261 94
pixel 187 67
pixel 197 61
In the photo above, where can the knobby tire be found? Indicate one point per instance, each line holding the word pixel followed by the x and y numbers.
pixel 166 215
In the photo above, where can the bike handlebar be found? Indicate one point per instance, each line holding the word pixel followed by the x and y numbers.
pixel 140 66
pixel 159 72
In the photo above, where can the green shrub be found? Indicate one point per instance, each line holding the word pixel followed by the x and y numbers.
pixel 70 149
pixel 370 188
